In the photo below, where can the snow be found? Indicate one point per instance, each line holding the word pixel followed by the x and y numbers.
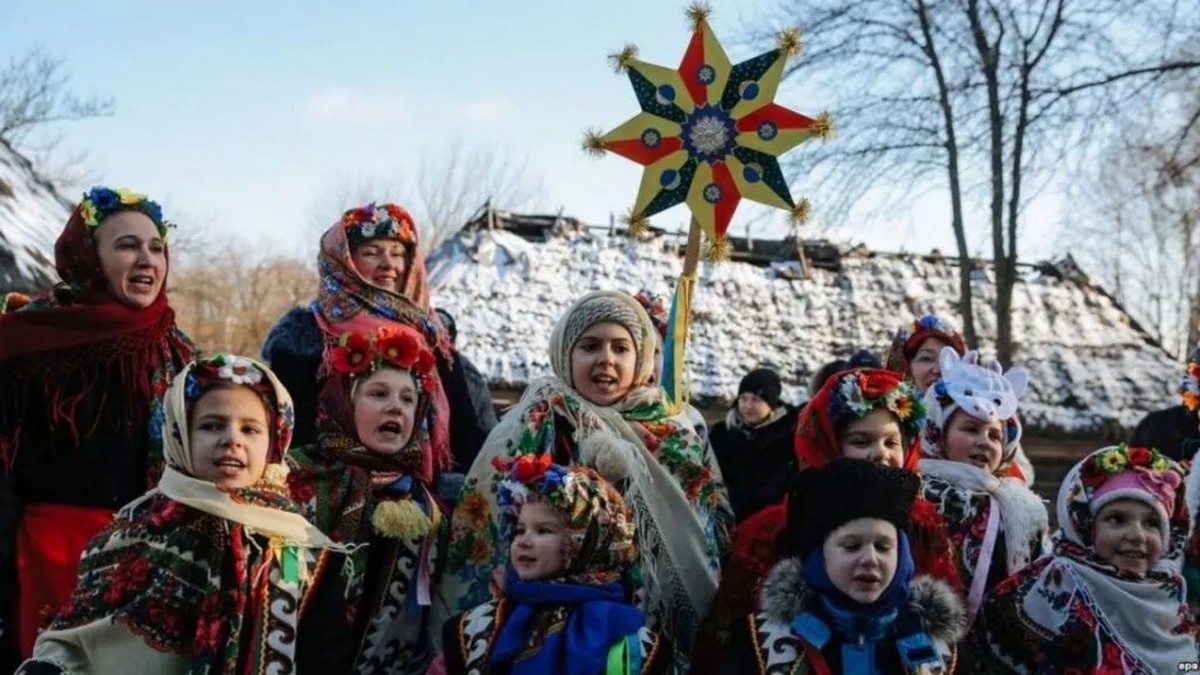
pixel 32 214
pixel 1092 371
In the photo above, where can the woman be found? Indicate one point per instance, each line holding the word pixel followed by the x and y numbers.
pixel 372 275
pixel 597 410
pixel 83 372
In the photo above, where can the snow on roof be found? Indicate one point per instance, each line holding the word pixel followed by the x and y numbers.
pixel 32 213
pixel 1092 369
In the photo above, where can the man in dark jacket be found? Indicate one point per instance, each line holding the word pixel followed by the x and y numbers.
pixel 479 395
pixel 753 444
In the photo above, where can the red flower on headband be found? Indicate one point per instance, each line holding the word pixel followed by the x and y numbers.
pixel 353 355
pixel 424 363
pixel 1139 457
pixel 1092 475
pixel 398 348
pixel 877 383
pixel 529 468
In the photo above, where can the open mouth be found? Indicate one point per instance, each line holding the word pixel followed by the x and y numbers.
pixel 867 578
pixel 978 459
pixel 230 466
pixel 604 381
pixel 1132 555
pixel 390 428
pixel 141 282
pixel 526 560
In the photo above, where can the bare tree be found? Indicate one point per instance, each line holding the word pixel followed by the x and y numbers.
pixel 1140 232
pixel 227 300
pixel 452 185
pixel 34 93
pixel 449 186
pixel 982 97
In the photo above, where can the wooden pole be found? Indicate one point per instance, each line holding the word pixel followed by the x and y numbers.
pixel 691 256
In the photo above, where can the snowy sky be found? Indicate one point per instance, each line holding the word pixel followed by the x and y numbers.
pixel 248 117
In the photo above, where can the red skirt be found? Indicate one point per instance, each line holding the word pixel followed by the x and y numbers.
pixel 50 539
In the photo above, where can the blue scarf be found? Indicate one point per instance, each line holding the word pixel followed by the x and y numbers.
pixel 861 627
pixel 598 619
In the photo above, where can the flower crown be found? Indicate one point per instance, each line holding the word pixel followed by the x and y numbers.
pixel 101 202
pixel 1105 465
pixel 384 221
pixel 359 355
pixel 530 475
pixel 233 369
pixel 858 393
pixel 1189 389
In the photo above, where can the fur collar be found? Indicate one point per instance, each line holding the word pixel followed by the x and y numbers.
pixel 784 595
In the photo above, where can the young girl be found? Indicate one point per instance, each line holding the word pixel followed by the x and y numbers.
pixel 996 524
pixel 209 571
pixel 1110 599
pixel 865 414
pixel 845 599
pixel 564 609
pixel 598 411
pixel 368 481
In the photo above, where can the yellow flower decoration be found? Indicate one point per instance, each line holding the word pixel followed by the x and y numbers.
pixel 129 197
pixel 1113 462
pixel 88 212
pixel 901 405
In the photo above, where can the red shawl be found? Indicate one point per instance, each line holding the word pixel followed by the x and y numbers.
pixel 78 340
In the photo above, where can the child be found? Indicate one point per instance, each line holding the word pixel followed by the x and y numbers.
pixel 209 571
pixel 368 482
pixel 844 599
pixel 864 413
pixel 599 411
pixel 564 609
pixel 1110 599
pixel 996 524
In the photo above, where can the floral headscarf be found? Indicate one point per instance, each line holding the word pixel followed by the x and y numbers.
pixel 909 337
pixel 353 360
pixel 1073 608
pixel 348 303
pixel 852 394
pixel 77 340
pixel 194 569
pixel 600 525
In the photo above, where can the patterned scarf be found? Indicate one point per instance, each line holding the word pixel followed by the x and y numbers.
pixel 669 481
pixel 212 574
pixel 78 342
pixel 346 302
pixel 1074 609
pixel 584 612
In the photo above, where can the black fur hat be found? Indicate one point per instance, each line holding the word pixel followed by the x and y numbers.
pixel 825 498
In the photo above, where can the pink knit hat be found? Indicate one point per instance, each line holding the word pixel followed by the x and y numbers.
pixel 1133 473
